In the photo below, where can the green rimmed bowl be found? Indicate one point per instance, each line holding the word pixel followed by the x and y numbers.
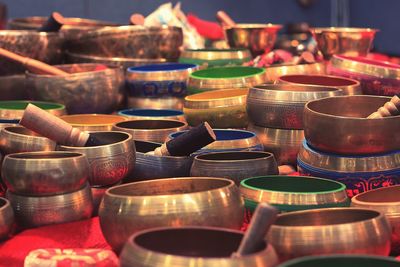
pixel 212 57
pixel 14 109
pixel 293 193
pixel 342 261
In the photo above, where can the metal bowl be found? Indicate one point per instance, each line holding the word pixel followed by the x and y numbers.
pixel 152 114
pixel 90 88
pixel 225 78
pixel 348 41
pixel 111 162
pixel 258 38
pixel 212 57
pixel 150 130
pixel 15 139
pixel 131 41
pixel 44 210
pixel 339 125
pixel 281 105
pixel 220 108
pixel 6 218
pixel 97 195
pixel 43 46
pixel 192 246
pixel 155 103
pixel 93 122
pixel 13 110
pixel 273 73
pixel 12 87
pixel 330 231
pixel 283 143
pixel 343 261
pixel 194 201
pixel 236 165
pixel 347 85
pixel 45 173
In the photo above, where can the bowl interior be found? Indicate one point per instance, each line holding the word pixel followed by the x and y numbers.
pixel 150 124
pixel 21 105
pixel 151 112
pixel 224 135
pixel 22 130
pixel 144 147
pixel 227 72
pixel 295 88
pixel 318 80
pixel 92 119
pixel 381 195
pixel 44 155
pixel 217 94
pixel 109 138
pixel 3 202
pixel 234 156
pixel 343 261
pixel 162 67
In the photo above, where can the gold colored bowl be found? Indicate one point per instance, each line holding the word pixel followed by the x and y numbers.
pixel 211 57
pixel 194 201
pixel 15 109
pixel 93 122
pixel 152 114
pixel 6 219
pixel 155 103
pixel 273 73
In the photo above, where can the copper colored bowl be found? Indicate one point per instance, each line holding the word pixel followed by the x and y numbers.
pixel 93 122
pixel 6 218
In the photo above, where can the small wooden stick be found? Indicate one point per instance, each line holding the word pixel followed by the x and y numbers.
pixel 224 19
pixel 53 24
pixel 390 108
pixel 136 19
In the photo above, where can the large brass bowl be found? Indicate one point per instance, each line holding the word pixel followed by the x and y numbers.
pixel 342 261
pixel 93 122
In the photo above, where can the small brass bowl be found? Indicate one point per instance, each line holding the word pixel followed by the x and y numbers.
pixel 192 246
pixel 273 73
pixel 155 103
pixel 293 193
pixel 220 108
pixel 347 85
pixel 150 130
pixel 194 201
pixel 152 114
pixel 225 78
pixel 90 88
pixel 111 162
pixel 6 218
pixel 235 165
pixel 330 231
pixel 93 122
pixel 342 261
pixel 339 125
pixel 281 105
pixel 44 210
pixel 211 57
pixel 258 38
pixel 15 139
pixel 13 110
pixel 45 173
pixel 348 41
pixel 387 201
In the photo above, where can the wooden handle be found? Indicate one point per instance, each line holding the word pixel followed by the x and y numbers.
pixel 53 24
pixel 136 19
pixel 32 65
pixel 391 108
pixel 224 19
pixel 52 127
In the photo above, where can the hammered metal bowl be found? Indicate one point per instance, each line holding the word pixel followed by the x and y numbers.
pixel 152 114
pixel 274 72
pixel 212 57
pixel 194 201
pixel 342 261
pixel 13 110
pixel 93 122
pixel 6 219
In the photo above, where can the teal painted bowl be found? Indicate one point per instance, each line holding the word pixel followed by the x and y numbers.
pixel 342 261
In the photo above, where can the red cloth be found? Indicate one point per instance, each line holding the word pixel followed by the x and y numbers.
pixel 207 29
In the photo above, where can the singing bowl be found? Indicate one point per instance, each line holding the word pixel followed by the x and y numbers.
pixel 387 201
pixel 6 218
pixel 293 193
pixel 220 108
pixel 149 166
pixel 152 114
pixel 347 85
pixel 150 130
pixel 348 41
pixel 19 139
pixel 283 143
pixel 194 201
pixel 111 162
pixel 229 140
pixel 131 41
pixel 258 38
pixel 330 231
pixel 236 165
pixel 90 88
pixel 93 122
pixel 45 173
pixel 281 105
pixel 273 73
pixel 343 261
pixel 44 210
pixel 225 78
pixel 13 110
pixel 358 173
pixel 212 57
pixel 12 87
pixel 155 103
pixel 43 46
pixel 97 195
pixel 340 125
pixel 192 246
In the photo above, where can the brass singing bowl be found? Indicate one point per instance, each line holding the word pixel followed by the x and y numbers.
pixel 150 130
pixel 43 46
pixel 273 73
pixel 45 173
pixel 97 195
pixel 34 211
pixel 6 218
pixel 110 162
pixel 90 88
pixel 330 231
pixel 258 38
pixel 220 108
pixel 235 165
pixel 12 87
pixel 194 201
pixel 340 125
pixel 155 103
pixel 192 246
pixel 348 41
pixel 342 261
pixel 347 85
pixel 212 57
pixel 15 109
pixel 15 139
pixel 152 114
pixel 133 41
pixel 387 201
pixel 93 122
pixel 281 105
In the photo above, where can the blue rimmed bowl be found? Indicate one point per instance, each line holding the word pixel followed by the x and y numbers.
pixel 152 114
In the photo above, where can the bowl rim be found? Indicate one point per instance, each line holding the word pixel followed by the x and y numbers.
pixel 63 117
pixel 267 156
pixel 363 203
pixel 43 138
pixel 354 82
pixel 107 70
pixel 30 32
pixel 101 23
pixel 258 71
pixel 81 148
pixel 342 29
pixel 180 67
pixel 123 112
pixel 15 157
pixel 268 26
pixel 113 59
pixel 183 124
pixel 57 106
